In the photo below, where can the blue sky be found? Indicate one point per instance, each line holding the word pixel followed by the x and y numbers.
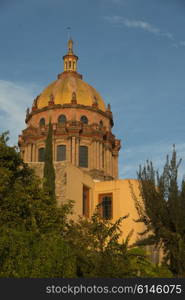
pixel 132 52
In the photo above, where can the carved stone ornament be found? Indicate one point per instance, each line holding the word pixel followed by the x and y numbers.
pixel 73 99
pixel 51 100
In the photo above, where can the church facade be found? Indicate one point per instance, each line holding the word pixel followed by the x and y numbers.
pixel 85 151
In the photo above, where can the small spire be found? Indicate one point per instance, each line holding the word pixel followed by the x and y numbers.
pixel 70 46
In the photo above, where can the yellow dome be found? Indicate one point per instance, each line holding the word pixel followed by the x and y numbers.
pixel 62 89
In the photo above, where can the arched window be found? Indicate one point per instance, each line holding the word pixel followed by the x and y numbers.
pixel 41 154
pixel 61 152
pixel 83 156
pixel 84 119
pixel 62 119
pixel 42 122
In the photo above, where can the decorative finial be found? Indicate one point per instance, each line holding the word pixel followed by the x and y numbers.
pixel 73 99
pixel 51 100
pixel 34 106
pixel 70 41
pixel 95 102
pixel 108 107
pixel 27 112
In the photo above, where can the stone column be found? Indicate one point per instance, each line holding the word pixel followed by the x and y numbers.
pixel 77 151
pixel 116 166
pixel 106 161
pixel 111 161
pixel 29 153
pixel 98 154
pixel 113 166
pixel 68 149
pixel 73 150
pixel 91 156
pixel 101 156
pixel 94 154
pixel 34 153
pixel 25 153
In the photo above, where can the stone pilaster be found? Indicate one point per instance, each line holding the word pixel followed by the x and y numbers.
pixel 100 156
pixel 29 153
pixel 77 151
pixel 94 154
pixel 111 163
pixel 116 166
pixel 73 150
pixel 68 149
pixel 91 156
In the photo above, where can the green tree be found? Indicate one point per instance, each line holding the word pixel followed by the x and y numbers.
pixel 162 210
pixel 49 171
pixel 100 252
pixel 31 227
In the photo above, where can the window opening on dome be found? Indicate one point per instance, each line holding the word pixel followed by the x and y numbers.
pixel 73 65
pixel 61 152
pixel 84 119
pixel 62 119
pixel 83 156
pixel 105 201
pixel 69 64
pixel 41 154
pixel 42 122
pixel 66 65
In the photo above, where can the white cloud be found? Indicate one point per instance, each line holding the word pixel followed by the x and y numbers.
pixel 119 20
pixel 14 99
pixel 168 35
pixel 182 43
pixel 132 23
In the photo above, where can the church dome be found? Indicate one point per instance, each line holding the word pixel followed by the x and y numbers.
pixel 62 89
pixel 70 85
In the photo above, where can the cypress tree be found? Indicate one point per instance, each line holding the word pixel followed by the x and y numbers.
pixel 162 211
pixel 49 171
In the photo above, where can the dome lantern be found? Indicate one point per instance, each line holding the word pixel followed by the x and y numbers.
pixel 70 59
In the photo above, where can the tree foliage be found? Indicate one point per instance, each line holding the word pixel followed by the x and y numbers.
pixel 163 211
pixel 31 226
pixel 100 252
pixel 37 238
pixel 49 170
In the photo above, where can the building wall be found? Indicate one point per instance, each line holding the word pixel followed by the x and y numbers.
pixel 123 203
pixel 69 186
